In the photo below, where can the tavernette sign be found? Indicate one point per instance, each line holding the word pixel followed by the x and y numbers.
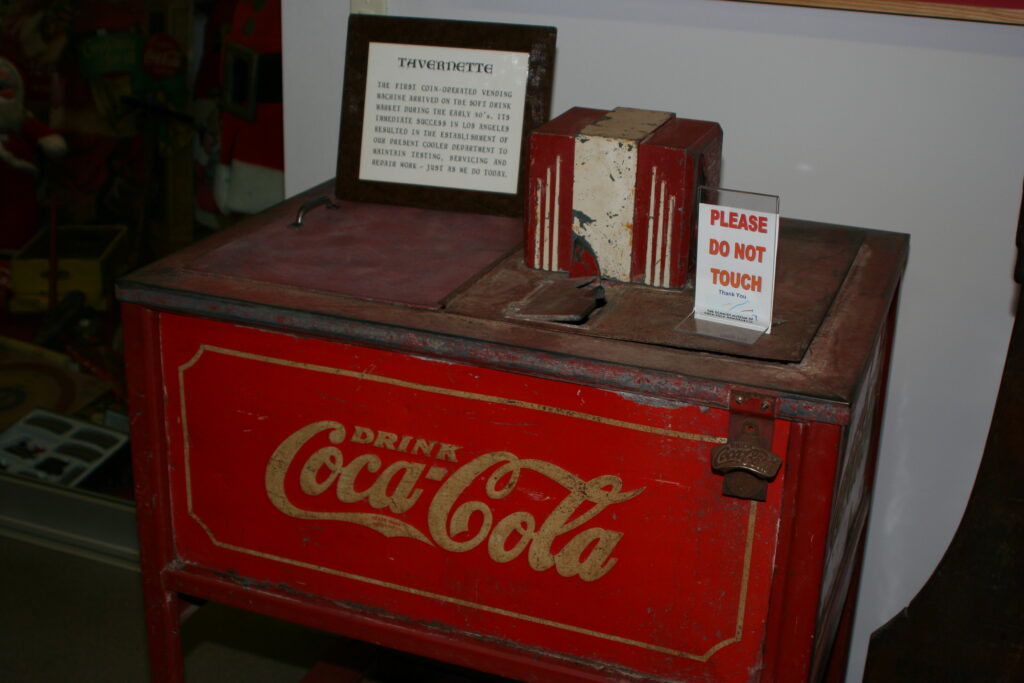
pixel 435 113
pixel 444 117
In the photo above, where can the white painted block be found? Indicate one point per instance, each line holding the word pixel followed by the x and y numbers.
pixel 604 185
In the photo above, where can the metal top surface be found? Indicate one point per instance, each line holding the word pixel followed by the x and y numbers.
pixel 813 262
pixel 401 255
pixel 448 284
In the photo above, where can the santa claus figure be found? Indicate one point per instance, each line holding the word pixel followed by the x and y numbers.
pixel 23 139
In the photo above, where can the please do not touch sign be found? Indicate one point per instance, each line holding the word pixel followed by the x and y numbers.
pixel 735 278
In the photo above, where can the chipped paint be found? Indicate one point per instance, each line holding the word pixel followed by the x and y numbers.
pixel 606 156
pixel 657 401
pixel 604 187
pixel 546 217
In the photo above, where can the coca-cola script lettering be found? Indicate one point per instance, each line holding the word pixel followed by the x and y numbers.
pixel 455 520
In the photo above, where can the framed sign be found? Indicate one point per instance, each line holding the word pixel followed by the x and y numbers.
pixel 437 114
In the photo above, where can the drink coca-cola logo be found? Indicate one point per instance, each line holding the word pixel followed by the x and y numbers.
pixel 459 512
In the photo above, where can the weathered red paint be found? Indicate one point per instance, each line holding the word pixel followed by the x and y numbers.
pixel 672 162
pixel 563 518
pixel 152 502
pixel 686 154
pixel 520 499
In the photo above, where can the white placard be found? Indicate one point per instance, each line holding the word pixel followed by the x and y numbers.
pixel 443 117
pixel 735 279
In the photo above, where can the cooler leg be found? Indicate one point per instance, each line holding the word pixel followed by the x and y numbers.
pixel 152 494
pixel 163 614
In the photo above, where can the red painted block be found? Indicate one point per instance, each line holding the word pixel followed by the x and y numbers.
pixel 666 160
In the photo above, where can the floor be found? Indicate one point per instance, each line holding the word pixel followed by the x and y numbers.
pixel 72 619
pixel 71 608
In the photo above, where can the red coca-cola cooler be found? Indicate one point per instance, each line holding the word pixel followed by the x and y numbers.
pixel 362 424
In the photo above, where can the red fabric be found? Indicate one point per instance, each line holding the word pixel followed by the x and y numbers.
pixel 260 143
pixel 18 219
pixel 257 26
pixel 218 23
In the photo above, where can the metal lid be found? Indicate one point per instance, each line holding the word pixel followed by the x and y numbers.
pixel 813 261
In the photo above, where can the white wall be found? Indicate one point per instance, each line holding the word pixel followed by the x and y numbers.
pixel 897 123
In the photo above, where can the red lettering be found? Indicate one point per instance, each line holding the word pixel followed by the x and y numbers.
pixel 748 252
pixel 739 221
pixel 728 278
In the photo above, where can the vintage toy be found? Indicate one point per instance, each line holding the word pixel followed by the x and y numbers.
pixel 24 142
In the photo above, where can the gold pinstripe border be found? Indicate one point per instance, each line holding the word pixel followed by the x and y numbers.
pixel 381 379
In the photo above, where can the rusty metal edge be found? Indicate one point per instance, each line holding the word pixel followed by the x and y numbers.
pixel 355 620
pixel 565 367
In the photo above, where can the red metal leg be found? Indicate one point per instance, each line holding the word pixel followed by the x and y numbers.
pixel 156 546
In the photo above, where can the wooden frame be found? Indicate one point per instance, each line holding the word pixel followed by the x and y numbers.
pixel 535 43
pixel 991 11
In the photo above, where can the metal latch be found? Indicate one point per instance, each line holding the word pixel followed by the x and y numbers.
pixel 308 206
pixel 746 459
